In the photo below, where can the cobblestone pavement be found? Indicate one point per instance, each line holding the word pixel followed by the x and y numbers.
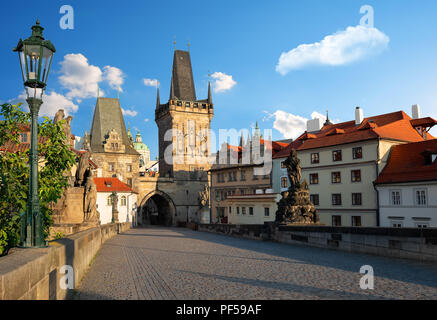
pixel 177 263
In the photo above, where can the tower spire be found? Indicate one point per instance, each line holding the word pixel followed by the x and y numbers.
pixel 158 101
pixel 209 93
pixel 327 122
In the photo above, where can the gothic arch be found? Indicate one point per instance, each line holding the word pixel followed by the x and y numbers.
pixel 157 208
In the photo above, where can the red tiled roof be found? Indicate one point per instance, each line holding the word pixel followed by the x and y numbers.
pixel 393 126
pixel 284 153
pixel 111 185
pixel 407 163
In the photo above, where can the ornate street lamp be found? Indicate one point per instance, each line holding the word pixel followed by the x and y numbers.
pixel 35 55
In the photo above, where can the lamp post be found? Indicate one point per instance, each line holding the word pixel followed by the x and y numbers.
pixel 35 55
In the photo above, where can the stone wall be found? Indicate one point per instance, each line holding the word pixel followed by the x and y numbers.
pixel 406 243
pixel 34 274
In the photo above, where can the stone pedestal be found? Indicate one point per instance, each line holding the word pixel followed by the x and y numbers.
pixel 205 215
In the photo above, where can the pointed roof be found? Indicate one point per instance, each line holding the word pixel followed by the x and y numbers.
pixel 182 82
pixel 108 116
pixel 209 93
pixel 158 100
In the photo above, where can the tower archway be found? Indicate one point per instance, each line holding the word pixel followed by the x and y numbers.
pixel 157 208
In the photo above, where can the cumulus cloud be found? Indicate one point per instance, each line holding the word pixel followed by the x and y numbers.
pixel 129 113
pixel 146 120
pixel 342 47
pixel 289 125
pixel 151 82
pixel 114 76
pixel 52 102
pixel 79 77
pixel 223 82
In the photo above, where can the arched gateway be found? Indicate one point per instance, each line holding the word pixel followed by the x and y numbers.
pixel 156 208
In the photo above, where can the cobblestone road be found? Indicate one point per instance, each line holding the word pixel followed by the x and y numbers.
pixel 176 263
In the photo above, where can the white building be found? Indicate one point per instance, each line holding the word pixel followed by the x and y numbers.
pixel 407 187
pixel 127 200
pixel 341 161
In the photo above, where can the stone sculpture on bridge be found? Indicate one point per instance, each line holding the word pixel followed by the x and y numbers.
pixel 295 206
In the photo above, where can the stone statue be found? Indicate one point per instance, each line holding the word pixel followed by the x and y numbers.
pixel 114 207
pixel 204 196
pixel 295 206
pixel 90 199
pixel 294 170
pixel 82 168
pixel 59 116
pixel 67 128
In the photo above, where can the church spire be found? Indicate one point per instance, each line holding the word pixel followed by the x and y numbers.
pixel 158 101
pixel 209 93
pixel 327 122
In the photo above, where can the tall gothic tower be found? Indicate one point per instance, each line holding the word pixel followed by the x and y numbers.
pixel 184 124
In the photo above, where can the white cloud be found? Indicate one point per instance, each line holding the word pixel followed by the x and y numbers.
pixel 79 77
pixel 151 82
pixel 289 125
pixel 340 48
pixel 114 76
pixel 52 102
pixel 146 120
pixel 223 82
pixel 129 113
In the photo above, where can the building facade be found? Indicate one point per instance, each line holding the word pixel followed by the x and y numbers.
pixel 126 205
pixel 341 161
pixel 407 187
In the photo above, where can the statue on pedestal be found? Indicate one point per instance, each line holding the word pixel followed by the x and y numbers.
pixel 295 206
pixel 90 199
pixel 82 168
pixel 204 197
pixel 114 207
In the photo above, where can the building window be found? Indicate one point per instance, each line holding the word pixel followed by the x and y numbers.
pixel 315 158
pixel 336 155
pixel 420 197
pixel 243 210
pixel 336 177
pixel 356 175
pixel 123 201
pixel 357 153
pixel 284 182
pixel 266 212
pixel 283 165
pixel 251 211
pixel 243 175
pixel 129 182
pixel 314 198
pixel 229 176
pixel 422 225
pixel 129 168
pixel 238 210
pixel 234 176
pixel 109 201
pixel 314 178
pixel 356 221
pixel 396 197
pixel 111 167
pixel 336 199
pixel 230 210
pixel 23 137
pixel 356 199
pixel 336 221
pixel 187 104
pixel 396 224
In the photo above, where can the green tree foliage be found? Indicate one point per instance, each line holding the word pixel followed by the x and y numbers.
pixel 55 160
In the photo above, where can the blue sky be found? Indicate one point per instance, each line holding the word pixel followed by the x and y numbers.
pixel 391 68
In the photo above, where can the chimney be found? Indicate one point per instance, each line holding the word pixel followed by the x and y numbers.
pixel 314 125
pixel 415 111
pixel 359 116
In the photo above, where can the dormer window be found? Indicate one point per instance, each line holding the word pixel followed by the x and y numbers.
pixel 187 104
pixel 179 103
pixel 204 106
pixel 108 184
pixel 196 105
